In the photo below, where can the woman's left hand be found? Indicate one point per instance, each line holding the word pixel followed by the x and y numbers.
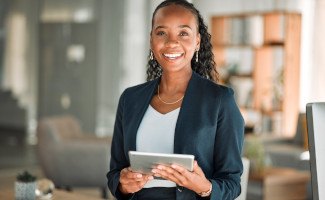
pixel 195 180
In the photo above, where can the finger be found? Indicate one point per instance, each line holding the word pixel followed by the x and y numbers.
pixel 124 176
pixel 148 177
pixel 197 169
pixel 180 169
pixel 127 177
pixel 170 174
pixel 183 175
pixel 132 174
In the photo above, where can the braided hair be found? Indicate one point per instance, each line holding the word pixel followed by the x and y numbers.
pixel 205 66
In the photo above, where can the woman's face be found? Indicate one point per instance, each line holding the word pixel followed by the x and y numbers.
pixel 174 38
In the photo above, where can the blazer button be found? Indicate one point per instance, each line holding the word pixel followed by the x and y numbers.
pixel 180 188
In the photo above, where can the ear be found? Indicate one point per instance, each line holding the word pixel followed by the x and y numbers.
pixel 150 39
pixel 198 41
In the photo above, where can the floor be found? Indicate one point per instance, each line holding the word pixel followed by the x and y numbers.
pixel 16 157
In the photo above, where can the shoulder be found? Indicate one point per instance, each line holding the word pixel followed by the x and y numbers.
pixel 212 88
pixel 139 90
pixel 215 95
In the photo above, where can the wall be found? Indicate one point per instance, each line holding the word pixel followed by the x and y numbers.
pixel 21 58
pixel 122 55
pixel 68 60
pixel 317 90
pixel 111 23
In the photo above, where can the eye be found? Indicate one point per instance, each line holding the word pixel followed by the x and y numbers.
pixel 183 33
pixel 160 33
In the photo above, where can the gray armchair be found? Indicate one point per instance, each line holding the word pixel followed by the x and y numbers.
pixel 70 158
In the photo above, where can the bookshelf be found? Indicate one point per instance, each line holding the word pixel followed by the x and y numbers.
pixel 258 55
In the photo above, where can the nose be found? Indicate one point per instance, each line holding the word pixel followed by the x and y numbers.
pixel 172 42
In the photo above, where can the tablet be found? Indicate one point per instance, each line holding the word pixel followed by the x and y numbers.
pixel 143 162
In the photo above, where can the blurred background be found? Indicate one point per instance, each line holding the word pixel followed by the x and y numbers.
pixel 75 57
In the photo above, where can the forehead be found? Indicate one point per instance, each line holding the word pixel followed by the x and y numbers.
pixel 174 14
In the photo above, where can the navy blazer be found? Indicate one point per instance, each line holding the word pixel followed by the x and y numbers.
pixel 209 126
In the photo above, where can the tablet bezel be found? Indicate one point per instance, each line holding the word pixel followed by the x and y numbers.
pixel 143 162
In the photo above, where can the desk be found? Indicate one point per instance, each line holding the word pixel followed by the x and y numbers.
pixel 57 194
pixel 281 183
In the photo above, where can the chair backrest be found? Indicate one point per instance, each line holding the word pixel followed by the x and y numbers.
pixel 60 127
pixel 244 180
pixel 316 140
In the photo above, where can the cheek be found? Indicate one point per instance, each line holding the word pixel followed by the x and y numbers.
pixel 190 42
pixel 156 45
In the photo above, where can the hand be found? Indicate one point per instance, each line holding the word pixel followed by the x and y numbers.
pixel 131 182
pixel 195 180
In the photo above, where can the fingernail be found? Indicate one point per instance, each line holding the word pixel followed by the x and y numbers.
pixel 154 171
pixel 159 167
pixel 173 166
pixel 150 177
pixel 139 175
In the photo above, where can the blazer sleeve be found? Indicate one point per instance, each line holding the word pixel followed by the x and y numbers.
pixel 228 165
pixel 118 160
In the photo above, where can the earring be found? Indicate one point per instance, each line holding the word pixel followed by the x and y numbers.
pixel 197 56
pixel 151 55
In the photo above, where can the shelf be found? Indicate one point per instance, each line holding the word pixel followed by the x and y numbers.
pixel 258 55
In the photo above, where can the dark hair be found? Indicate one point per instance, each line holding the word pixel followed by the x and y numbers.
pixel 205 65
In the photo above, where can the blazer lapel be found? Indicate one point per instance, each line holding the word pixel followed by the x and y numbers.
pixel 142 102
pixel 182 134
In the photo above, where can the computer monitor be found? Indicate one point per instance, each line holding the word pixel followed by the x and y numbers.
pixel 316 141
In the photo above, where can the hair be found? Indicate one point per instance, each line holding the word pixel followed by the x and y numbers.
pixel 205 66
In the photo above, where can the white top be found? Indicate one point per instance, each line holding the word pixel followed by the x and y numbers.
pixel 156 134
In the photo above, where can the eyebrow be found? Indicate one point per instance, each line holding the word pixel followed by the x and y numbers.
pixel 180 26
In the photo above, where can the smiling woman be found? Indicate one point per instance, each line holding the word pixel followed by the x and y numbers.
pixel 174 38
pixel 203 63
pixel 181 110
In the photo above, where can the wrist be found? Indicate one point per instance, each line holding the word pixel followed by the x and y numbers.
pixel 121 189
pixel 206 193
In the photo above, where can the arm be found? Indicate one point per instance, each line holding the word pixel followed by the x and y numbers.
pixel 227 150
pixel 122 182
pixel 118 160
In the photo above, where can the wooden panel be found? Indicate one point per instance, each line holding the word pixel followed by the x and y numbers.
pixel 263 79
pixel 220 30
pixel 219 56
pixel 274 28
pixel 291 74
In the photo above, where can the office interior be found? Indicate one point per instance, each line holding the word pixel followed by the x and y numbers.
pixel 74 58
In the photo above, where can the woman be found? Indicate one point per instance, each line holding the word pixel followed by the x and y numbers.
pixel 179 110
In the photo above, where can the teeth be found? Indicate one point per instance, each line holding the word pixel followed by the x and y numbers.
pixel 174 55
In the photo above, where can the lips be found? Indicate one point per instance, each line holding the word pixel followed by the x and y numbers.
pixel 173 56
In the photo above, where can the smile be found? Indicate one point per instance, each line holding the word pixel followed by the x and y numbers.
pixel 172 55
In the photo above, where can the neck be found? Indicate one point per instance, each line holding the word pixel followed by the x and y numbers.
pixel 175 82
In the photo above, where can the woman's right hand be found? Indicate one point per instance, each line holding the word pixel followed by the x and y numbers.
pixel 131 182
